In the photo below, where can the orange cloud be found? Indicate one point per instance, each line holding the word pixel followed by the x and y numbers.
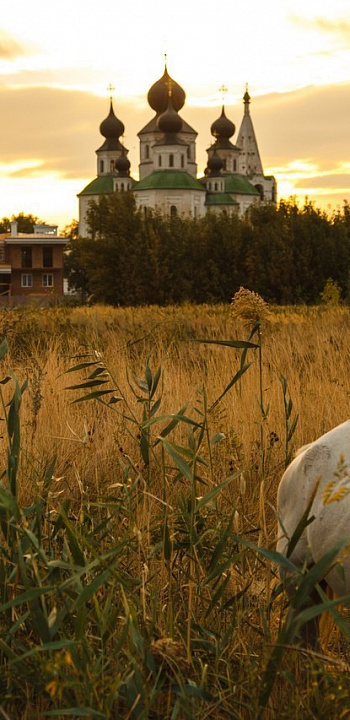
pixel 10 48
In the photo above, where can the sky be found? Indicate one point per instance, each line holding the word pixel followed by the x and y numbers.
pixel 57 60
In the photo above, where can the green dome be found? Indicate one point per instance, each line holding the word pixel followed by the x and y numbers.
pixel 100 186
pixel 169 180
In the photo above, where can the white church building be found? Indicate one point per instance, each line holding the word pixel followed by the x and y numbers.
pixel 233 179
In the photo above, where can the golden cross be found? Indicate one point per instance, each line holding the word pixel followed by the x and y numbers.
pixel 223 90
pixel 110 89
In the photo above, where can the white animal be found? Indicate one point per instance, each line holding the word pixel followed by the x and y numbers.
pixel 326 462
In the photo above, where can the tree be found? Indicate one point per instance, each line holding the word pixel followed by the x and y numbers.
pixel 25 223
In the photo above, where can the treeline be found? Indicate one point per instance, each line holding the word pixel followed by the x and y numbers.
pixel 285 253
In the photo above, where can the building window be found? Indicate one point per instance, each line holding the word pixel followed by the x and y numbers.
pixel 171 160
pixel 182 161
pixel 235 165
pixel 147 152
pixel 160 161
pixel 122 187
pixel 173 210
pixel 111 166
pixel 188 152
pixel 224 167
pixel 47 257
pixel 47 280
pixel 102 166
pixel 27 280
pixel 26 257
pixel 215 186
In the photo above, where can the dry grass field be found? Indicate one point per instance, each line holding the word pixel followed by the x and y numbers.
pixel 141 602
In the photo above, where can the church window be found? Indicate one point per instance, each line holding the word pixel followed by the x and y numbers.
pixel 26 257
pixel 102 166
pixel 147 152
pixel 122 187
pixel 173 210
pixel 159 161
pixel 47 280
pixel 47 257
pixel 235 164
pixel 111 166
pixel 27 280
pixel 182 161
pixel 215 186
pixel 171 160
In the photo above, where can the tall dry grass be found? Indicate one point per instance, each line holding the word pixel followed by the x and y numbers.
pixel 93 445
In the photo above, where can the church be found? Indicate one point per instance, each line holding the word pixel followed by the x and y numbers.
pixel 168 176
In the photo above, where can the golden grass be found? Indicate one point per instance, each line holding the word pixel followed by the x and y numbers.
pixel 309 346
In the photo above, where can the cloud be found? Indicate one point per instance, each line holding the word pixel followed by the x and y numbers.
pixel 328 181
pixel 340 28
pixel 10 48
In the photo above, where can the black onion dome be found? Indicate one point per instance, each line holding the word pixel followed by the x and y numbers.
pixel 223 127
pixel 122 164
pixel 158 94
pixel 169 122
pixel 215 164
pixel 111 127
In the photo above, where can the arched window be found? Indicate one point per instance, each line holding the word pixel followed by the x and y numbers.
pixel 260 190
pixel 122 187
pixel 159 160
pixel 173 210
pixel 235 165
pixel 171 160
pixel 147 152
pixel 215 186
pixel 182 161
pixel 102 166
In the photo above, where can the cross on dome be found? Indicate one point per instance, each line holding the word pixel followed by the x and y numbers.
pixel 223 90
pixel 110 89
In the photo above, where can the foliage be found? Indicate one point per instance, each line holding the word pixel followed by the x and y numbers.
pixel 331 293
pixel 285 253
pixel 25 223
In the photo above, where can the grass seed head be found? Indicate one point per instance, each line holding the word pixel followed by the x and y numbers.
pixel 250 307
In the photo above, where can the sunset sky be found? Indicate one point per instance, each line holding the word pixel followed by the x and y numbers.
pixel 57 59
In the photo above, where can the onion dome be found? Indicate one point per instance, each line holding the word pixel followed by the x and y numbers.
pixel 222 128
pixel 158 94
pixel 215 164
pixel 169 122
pixel 111 128
pixel 122 164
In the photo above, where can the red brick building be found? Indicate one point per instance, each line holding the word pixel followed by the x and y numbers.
pixel 31 265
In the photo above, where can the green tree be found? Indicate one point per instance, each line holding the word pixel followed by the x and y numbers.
pixel 25 223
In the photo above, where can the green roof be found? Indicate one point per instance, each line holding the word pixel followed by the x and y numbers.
pixel 239 184
pixel 220 199
pixel 169 180
pixel 100 186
